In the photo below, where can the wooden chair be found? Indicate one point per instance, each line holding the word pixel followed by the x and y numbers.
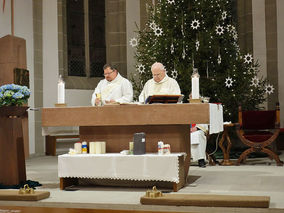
pixel 258 129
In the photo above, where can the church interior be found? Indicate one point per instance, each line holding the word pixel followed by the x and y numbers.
pixel 72 141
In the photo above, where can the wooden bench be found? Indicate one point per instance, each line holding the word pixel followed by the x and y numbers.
pixel 50 142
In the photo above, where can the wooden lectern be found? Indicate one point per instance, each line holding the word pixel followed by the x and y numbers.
pixel 12 157
pixel 13 55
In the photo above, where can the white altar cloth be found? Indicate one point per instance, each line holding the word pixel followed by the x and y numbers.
pixel 117 166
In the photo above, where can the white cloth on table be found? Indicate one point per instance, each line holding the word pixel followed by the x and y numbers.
pixel 198 142
pixel 167 86
pixel 117 166
pixel 120 89
pixel 216 118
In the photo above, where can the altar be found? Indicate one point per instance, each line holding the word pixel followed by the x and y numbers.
pixel 116 125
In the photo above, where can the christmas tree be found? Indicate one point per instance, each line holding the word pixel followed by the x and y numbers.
pixel 187 34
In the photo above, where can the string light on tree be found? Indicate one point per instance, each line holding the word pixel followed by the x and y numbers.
pixel 172 48
pixel 197 44
pixel 183 53
pixel 219 59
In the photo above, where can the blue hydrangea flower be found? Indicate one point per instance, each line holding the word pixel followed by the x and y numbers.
pixel 18 95
pixel 13 95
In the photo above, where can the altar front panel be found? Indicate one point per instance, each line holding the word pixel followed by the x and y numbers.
pixel 117 137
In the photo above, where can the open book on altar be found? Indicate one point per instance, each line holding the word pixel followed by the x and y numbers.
pixel 164 99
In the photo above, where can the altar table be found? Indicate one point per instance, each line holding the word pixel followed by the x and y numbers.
pixel 115 166
pixel 116 125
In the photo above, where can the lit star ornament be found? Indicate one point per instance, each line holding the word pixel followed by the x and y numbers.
pixel 230 28
pixel 141 68
pixel 158 31
pixel 235 36
pixel 195 24
pixel 174 74
pixel 252 70
pixel 229 82
pixel 171 1
pixel 153 25
pixel 224 15
pixel 248 58
pixel 133 42
pixel 219 30
pixel 269 89
pixel 254 81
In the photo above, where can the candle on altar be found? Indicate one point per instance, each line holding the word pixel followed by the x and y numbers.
pixel 195 84
pixel 61 91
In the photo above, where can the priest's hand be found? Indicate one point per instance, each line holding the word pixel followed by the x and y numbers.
pixel 97 101
pixel 111 101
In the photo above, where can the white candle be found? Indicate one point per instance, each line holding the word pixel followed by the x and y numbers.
pixel 195 87
pixel 61 92
pixel 98 148
pixel 78 147
pixel 103 147
pixel 92 146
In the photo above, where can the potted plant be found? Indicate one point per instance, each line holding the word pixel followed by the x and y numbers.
pixel 13 99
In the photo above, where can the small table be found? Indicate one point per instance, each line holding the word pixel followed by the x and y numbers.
pixel 130 168
pixel 226 149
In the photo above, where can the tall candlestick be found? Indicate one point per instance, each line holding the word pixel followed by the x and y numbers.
pixel 195 84
pixel 195 87
pixel 60 91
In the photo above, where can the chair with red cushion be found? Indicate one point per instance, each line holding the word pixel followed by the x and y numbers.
pixel 258 129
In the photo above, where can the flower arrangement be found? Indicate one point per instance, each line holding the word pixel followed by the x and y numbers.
pixel 13 95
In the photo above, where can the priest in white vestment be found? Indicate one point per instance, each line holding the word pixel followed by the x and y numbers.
pixel 160 84
pixel 198 142
pixel 113 89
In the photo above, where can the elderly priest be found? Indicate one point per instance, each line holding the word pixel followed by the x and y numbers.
pixel 160 84
pixel 113 89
